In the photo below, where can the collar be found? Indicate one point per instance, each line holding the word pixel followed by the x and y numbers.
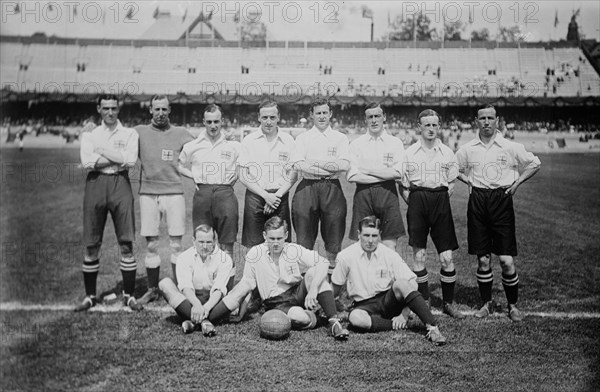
pixel 117 128
pixel 210 255
pixel 202 136
pixel 376 138
pixel 436 146
pixel 326 132
pixel 152 125
pixel 261 135
pixel 498 139
pixel 376 252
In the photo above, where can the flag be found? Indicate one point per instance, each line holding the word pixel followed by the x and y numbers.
pixel 155 13
pixel 50 7
pixel 556 19
pixel 389 19
pixel 17 9
pixel 184 15
pixel 367 13
pixel 209 17
pixel 236 18
pixel 129 13
pixel 470 16
pixel 75 10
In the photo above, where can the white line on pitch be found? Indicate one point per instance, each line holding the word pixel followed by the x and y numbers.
pixel 16 306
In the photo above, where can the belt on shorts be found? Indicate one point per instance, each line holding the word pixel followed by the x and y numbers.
pixel 213 185
pixel 112 174
pixel 425 189
pixel 488 190
pixel 322 179
pixel 388 183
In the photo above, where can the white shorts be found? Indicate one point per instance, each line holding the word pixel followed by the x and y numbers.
pixel 152 209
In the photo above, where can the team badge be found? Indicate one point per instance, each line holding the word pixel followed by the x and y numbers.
pixel 332 151
pixel 501 159
pixel 284 156
pixel 388 159
pixel 226 155
pixel 167 155
pixel 119 144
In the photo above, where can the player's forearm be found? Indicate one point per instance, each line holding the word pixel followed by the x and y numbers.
pixel 214 299
pixel 463 178
pixel 185 171
pixel 307 168
pixel 333 166
pixel 251 184
pixel 103 162
pixel 190 294
pixel 362 178
pixel 111 155
pixel 384 174
pixel 527 174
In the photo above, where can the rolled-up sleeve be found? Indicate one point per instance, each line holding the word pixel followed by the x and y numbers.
pixel 184 273
pixel 87 154
pixel 452 169
pixel 130 153
pixel 344 149
pixel 223 272
pixel 526 159
pixel 353 162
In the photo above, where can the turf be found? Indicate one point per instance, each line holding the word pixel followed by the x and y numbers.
pixel 558 221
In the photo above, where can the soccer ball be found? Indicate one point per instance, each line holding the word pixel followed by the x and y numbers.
pixel 275 325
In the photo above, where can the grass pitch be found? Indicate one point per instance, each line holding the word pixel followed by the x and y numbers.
pixel 558 223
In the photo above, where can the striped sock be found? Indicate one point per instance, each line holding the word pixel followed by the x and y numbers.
pixel 448 280
pixel 423 282
pixel 511 287
pixel 128 269
pixel 90 270
pixel 485 280
pixel 184 310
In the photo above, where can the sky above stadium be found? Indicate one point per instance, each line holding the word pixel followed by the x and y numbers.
pixel 297 20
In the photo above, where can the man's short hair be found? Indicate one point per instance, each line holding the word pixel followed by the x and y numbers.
pixel 369 221
pixel 486 106
pixel 107 97
pixel 213 108
pixel 427 113
pixel 204 228
pixel 275 223
pixel 374 105
pixel 159 97
pixel 319 102
pixel 268 104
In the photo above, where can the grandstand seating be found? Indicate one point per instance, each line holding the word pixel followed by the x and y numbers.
pixel 116 66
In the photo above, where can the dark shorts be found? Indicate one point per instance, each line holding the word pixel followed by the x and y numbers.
pixel 292 297
pixel 384 304
pixel 491 223
pixel 106 193
pixel 217 206
pixel 429 212
pixel 319 200
pixel 255 218
pixel 381 200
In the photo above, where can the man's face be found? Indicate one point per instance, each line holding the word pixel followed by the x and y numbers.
pixel 275 239
pixel 109 111
pixel 369 238
pixel 487 122
pixel 375 120
pixel 430 125
pixel 205 243
pixel 321 117
pixel 212 122
pixel 268 118
pixel 160 112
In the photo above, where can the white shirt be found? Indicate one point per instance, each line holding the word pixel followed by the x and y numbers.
pixel 365 278
pixel 497 165
pixel 382 152
pixel 268 163
pixel 272 278
pixel 213 164
pixel 122 139
pixel 326 146
pixel 212 274
pixel 430 168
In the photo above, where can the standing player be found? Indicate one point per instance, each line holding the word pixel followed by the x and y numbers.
pixel 376 163
pixel 161 188
pixel 202 272
pixel 381 285
pixel 288 277
pixel 266 173
pixel 321 156
pixel 494 168
pixel 431 171
pixel 108 152
pixel 213 159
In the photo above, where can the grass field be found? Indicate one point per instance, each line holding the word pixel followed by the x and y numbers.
pixel 556 348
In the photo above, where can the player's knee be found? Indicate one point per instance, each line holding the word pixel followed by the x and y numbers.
pixel 167 285
pixel 507 263
pixel 152 244
pixel 92 252
pixel 484 261
pixel 126 249
pixel 175 244
pixel 446 261
pixel 360 319
pixel 298 316
pixel 419 259
pixel 403 287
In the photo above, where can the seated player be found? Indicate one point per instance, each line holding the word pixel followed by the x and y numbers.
pixel 380 284
pixel 202 273
pixel 290 278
